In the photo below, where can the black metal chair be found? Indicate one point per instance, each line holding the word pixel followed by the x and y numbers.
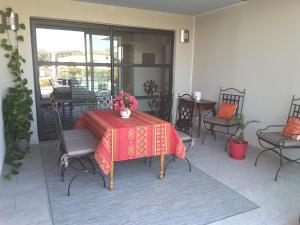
pixel 164 109
pixel 104 100
pixel 231 96
pixel 184 123
pixel 161 107
pixel 277 142
pixel 75 145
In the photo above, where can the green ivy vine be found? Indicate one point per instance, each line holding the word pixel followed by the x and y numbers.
pixel 17 105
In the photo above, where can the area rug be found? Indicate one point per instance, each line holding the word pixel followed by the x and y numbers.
pixel 139 197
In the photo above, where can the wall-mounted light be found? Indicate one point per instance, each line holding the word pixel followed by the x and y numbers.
pixel 10 21
pixel 184 35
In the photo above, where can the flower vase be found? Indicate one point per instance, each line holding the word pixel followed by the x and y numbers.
pixel 125 114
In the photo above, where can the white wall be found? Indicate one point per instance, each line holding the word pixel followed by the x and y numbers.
pixel 253 45
pixel 102 14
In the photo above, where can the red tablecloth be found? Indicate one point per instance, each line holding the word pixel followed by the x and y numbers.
pixel 142 135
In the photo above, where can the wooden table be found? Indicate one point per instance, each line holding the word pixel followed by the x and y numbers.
pixel 140 136
pixel 204 105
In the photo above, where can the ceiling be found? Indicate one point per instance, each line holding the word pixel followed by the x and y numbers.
pixel 188 7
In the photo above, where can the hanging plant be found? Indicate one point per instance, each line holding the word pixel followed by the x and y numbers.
pixel 17 111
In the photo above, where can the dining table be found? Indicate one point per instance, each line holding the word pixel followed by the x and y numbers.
pixel 139 136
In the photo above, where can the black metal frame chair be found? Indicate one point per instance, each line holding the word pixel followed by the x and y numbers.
pixel 184 123
pixel 164 109
pixel 75 145
pixel 277 142
pixel 161 106
pixel 231 96
pixel 104 100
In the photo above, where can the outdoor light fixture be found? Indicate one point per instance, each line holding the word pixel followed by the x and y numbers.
pixel 11 21
pixel 184 36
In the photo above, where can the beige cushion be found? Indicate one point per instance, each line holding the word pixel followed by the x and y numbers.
pixel 183 136
pixel 77 134
pixel 81 146
pixel 276 138
pixel 220 121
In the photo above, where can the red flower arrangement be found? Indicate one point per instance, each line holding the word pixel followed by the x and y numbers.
pixel 125 100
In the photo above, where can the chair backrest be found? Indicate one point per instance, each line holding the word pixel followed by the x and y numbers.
pixel 165 100
pixel 232 96
pixel 104 100
pixel 58 124
pixel 295 107
pixel 185 113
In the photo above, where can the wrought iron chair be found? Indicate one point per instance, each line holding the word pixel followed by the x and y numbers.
pixel 276 142
pixel 184 123
pixel 231 96
pixel 104 100
pixel 75 145
pixel 164 110
pixel 161 105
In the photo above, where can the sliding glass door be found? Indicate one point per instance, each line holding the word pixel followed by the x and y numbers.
pixel 76 61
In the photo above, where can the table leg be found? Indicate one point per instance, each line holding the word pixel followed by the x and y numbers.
pixel 161 173
pixel 199 123
pixel 111 177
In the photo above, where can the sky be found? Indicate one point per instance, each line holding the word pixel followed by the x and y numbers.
pixel 60 40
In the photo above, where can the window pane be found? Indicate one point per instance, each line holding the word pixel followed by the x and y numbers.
pixel 60 45
pixel 141 48
pixel 101 48
pixel 132 79
pixel 60 79
pixel 102 79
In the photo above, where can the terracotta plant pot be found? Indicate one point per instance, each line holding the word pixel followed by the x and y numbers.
pixel 237 151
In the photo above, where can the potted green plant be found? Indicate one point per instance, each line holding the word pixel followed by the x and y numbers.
pixel 17 111
pixel 238 146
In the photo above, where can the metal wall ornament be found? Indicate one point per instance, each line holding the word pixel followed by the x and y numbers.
pixel 10 20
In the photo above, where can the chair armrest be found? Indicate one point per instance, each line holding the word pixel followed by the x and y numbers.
pixel 267 128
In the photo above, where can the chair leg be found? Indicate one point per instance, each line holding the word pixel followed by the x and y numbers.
pixel 213 133
pixel 190 145
pixel 204 136
pixel 150 161
pixel 255 164
pixel 62 173
pixel 284 164
pixel 104 185
pixel 190 167
pixel 92 165
pixel 73 178
pixel 173 159
pixel 81 163
pixel 226 145
pixel 280 156
pixel 165 170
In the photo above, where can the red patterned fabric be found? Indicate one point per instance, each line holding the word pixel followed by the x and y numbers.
pixel 142 135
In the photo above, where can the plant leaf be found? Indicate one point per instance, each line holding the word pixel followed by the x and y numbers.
pixel 14 172
pixel 2 29
pixel 20 38
pixel 7 177
pixel 22 26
